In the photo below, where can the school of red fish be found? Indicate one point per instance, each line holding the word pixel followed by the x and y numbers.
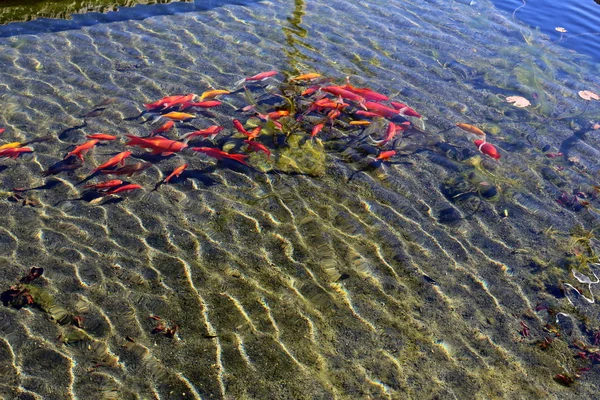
pixel 319 105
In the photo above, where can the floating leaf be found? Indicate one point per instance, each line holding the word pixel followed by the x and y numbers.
pixel 560 29
pixel 588 95
pixel 518 101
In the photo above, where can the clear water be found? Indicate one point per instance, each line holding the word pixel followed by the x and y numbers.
pixel 311 275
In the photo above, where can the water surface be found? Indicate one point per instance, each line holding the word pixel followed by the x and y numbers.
pixel 439 274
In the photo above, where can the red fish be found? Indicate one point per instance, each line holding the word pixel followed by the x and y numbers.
pixel 255 146
pixel 367 93
pixel 386 155
pixel 82 149
pixel 240 128
pixel 487 148
pixel 367 114
pixel 15 152
pixel 176 172
pixel 118 159
pixel 310 90
pixel 392 129
pixel 209 132
pixel 258 77
pixel 275 115
pixel 316 129
pixel 345 94
pixel 167 102
pixel 124 188
pixel 554 155
pixel 405 110
pixel 220 155
pixel 104 185
pixel 201 104
pixel 101 136
pixel 164 128
pixel 381 110
pixel 158 144
pixel 2 130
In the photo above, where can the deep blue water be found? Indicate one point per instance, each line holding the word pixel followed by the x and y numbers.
pixel 581 19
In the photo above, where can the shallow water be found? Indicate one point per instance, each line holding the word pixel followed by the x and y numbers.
pixel 311 275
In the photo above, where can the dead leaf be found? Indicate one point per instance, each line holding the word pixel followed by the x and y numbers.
pixel 518 101
pixel 588 95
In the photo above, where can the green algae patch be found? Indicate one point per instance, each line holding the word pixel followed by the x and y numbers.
pixel 302 156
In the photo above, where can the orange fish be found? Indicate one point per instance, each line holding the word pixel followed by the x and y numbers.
pixel 386 155
pixel 158 144
pixel 11 145
pixel 471 129
pixel 487 148
pixel 362 122
pixel 176 172
pixel 220 155
pixel 178 116
pixel 164 128
pixel 82 149
pixel 104 185
pixel 258 147
pixel 305 77
pixel 101 136
pixel 15 152
pixel 118 159
pixel 316 129
pixel 211 94
pixel 124 188
pixel 209 132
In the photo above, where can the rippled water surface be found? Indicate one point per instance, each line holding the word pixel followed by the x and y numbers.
pixel 441 273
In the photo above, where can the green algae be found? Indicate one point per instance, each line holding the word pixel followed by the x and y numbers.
pixel 302 156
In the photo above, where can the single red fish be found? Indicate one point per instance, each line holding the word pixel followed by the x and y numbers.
pixel 275 115
pixel 101 136
pixel 310 90
pixel 258 77
pixel 118 159
pixel 392 129
pixel 158 144
pixel 176 172
pixel 554 155
pixel 366 93
pixel 239 127
pixel 82 149
pixel 209 132
pixel 316 129
pixel 128 170
pixel 381 110
pixel 487 148
pixel 168 102
pixel 220 155
pixel 164 128
pixel 386 155
pixel 15 152
pixel 367 114
pixel 2 130
pixel 256 146
pixel 201 104
pixel 104 185
pixel 405 110
pixel 345 94
pixel 124 188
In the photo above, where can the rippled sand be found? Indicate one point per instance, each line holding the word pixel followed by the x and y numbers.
pixel 403 282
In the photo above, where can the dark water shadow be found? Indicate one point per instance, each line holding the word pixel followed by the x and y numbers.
pixel 138 12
